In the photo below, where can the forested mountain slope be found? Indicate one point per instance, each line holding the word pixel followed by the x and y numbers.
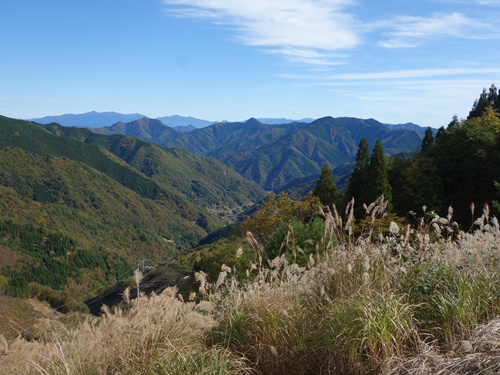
pixel 276 155
pixel 145 128
pixel 72 210
pixel 205 181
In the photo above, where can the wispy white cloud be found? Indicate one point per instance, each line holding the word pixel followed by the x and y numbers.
pixel 408 31
pixel 310 56
pixel 495 3
pixel 415 73
pixel 315 31
pixel 304 31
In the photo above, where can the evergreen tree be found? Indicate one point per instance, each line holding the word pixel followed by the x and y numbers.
pixel 325 189
pixel 359 177
pixel 492 95
pixel 359 174
pixel 479 105
pixel 487 99
pixel 464 164
pixel 377 176
pixel 428 140
pixel 440 133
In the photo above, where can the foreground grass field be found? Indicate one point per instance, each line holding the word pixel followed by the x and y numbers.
pixel 386 300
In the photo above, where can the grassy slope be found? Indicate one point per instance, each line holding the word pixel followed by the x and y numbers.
pixel 356 309
pixel 18 316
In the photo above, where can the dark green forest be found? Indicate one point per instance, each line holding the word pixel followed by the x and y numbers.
pixel 458 167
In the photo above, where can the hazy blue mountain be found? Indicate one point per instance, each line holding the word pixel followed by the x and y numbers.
pixel 176 120
pixel 280 121
pixel 184 129
pixel 408 125
pixel 90 119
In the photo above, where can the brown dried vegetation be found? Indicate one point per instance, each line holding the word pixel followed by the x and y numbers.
pixel 414 300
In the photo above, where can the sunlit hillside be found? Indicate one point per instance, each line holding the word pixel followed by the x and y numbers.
pixel 391 300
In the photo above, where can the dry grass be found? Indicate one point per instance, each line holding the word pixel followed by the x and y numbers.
pixel 18 316
pixel 478 355
pixel 159 334
pixel 376 299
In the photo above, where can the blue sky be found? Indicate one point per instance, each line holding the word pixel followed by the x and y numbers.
pixel 393 60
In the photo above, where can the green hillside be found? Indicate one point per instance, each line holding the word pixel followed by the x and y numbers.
pixel 75 215
pixel 204 181
pixel 145 128
pixel 274 156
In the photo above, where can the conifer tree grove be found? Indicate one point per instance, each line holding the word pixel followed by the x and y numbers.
pixel 326 190
pixel 488 99
pixel 358 179
pixel 428 140
pixel 378 182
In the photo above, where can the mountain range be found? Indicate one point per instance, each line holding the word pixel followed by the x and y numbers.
pixel 274 156
pixel 95 119
pixel 85 204
pixel 87 207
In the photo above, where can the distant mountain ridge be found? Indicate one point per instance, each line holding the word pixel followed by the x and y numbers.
pixel 280 121
pixel 89 120
pixel 95 119
pixel 181 121
pixel 275 155
pixel 409 126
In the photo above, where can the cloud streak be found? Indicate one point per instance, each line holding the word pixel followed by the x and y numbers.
pixel 407 31
pixel 309 31
pixel 414 73
pixel 304 31
pixel 495 3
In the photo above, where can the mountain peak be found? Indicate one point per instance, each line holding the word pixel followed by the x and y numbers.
pixel 253 121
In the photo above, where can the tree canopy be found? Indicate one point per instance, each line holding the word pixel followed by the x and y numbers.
pixel 369 179
pixel 325 189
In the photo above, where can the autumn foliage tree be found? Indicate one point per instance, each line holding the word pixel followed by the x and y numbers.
pixel 278 211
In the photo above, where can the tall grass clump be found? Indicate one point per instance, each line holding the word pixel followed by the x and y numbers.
pixel 265 319
pixel 377 296
pixel 362 322
pixel 159 334
pixel 454 284
pixel 362 333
